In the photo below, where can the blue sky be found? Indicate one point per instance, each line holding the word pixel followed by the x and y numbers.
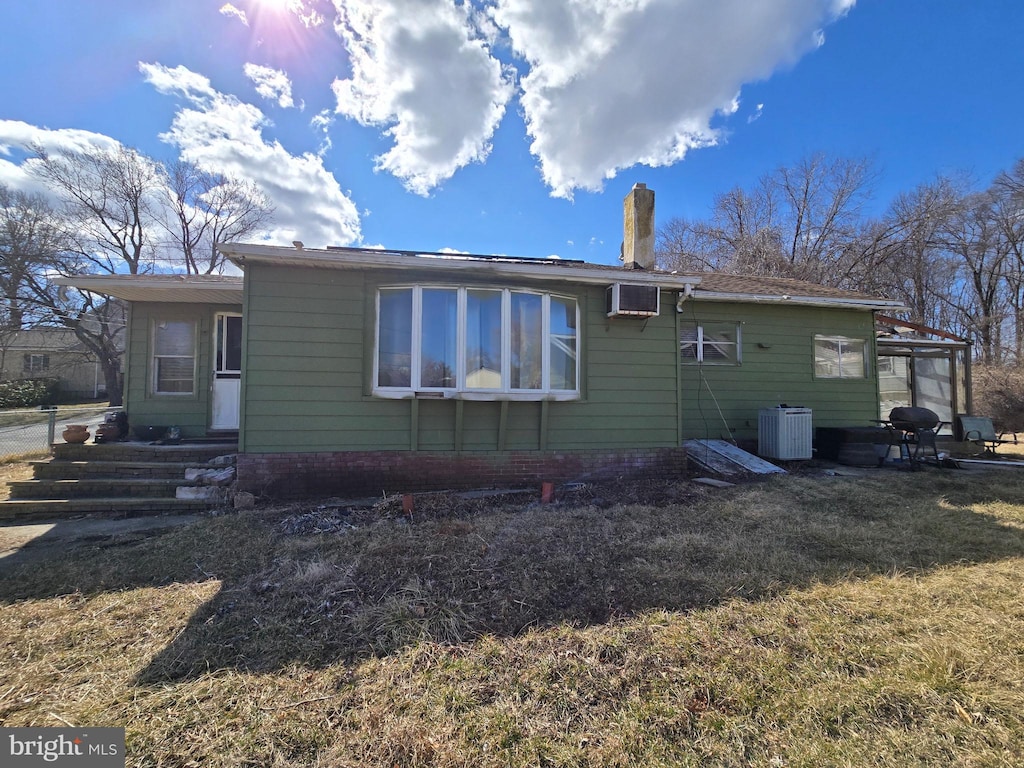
pixel 513 126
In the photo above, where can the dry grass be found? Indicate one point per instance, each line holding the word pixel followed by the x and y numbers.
pixel 11 471
pixel 804 621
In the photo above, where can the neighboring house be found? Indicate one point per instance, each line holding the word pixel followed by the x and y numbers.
pixel 353 370
pixel 56 353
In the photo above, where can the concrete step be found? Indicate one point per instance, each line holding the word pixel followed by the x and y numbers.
pixel 80 470
pixel 104 488
pixel 142 452
pixel 35 509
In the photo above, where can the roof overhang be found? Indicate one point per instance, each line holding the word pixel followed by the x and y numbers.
pixel 445 263
pixel 175 289
pixel 881 305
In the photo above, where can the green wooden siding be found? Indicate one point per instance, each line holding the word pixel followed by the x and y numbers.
pixel 309 351
pixel 720 401
pixel 309 337
pixel 190 412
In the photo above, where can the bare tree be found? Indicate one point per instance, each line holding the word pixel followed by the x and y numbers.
pixel 111 203
pixel 1008 212
pixel 36 246
pixel 797 221
pixel 211 208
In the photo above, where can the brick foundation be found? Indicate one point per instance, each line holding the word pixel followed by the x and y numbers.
pixel 369 473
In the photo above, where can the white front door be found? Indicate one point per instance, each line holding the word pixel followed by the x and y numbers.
pixel 227 371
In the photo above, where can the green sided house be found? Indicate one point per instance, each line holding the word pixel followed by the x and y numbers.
pixel 349 370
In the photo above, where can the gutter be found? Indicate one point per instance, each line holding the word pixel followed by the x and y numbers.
pixel 806 301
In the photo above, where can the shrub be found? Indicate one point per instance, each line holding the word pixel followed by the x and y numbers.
pixel 27 393
pixel 999 393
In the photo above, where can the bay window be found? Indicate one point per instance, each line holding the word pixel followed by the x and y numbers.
pixel 475 342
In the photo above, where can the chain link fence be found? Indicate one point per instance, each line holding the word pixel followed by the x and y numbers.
pixel 27 433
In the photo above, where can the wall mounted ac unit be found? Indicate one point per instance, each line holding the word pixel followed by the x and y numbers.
pixel 632 300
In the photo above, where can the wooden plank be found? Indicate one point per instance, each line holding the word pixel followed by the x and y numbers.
pixel 726 459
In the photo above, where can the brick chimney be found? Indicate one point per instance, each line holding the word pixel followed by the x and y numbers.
pixel 638 228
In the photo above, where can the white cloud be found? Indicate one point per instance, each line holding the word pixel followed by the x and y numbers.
pixel 307 13
pixel 322 122
pixel 613 83
pixel 20 139
pixel 421 69
pixel 222 134
pixel 229 10
pixel 271 84
pixel 606 85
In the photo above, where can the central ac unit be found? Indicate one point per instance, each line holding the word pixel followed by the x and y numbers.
pixel 632 300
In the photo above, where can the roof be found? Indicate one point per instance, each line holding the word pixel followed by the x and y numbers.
pixel 707 286
pixel 227 289
pixel 43 338
pixel 179 289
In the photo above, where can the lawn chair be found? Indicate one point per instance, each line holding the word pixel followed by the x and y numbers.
pixel 913 430
pixel 982 432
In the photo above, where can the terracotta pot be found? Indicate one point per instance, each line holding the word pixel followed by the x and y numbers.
pixel 75 433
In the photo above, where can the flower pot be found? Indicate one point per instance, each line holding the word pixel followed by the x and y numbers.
pixel 75 433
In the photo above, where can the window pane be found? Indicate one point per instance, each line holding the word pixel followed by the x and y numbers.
pixel 174 338
pixel 483 339
pixel 174 374
pixel 229 344
pixel 527 341
pixel 394 342
pixel 826 358
pixel 563 343
pixel 720 343
pixel 851 359
pixel 893 384
pixel 437 359
pixel 688 342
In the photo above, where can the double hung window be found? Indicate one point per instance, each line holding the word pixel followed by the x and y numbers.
pixel 36 363
pixel 174 357
pixel 477 341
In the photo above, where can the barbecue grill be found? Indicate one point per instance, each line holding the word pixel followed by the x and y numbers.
pixel 914 427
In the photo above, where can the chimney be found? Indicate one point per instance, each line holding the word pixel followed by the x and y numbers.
pixel 638 228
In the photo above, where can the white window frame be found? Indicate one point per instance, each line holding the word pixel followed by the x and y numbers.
pixel 155 358
pixel 701 343
pixel 36 362
pixel 841 373
pixel 461 390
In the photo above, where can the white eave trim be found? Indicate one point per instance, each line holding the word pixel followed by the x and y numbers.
pixel 806 301
pixel 164 289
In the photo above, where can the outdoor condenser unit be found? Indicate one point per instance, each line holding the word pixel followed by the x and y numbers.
pixel 784 433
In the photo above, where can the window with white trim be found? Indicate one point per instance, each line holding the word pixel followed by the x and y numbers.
pixel 710 343
pixel 36 363
pixel 476 341
pixel 839 357
pixel 174 357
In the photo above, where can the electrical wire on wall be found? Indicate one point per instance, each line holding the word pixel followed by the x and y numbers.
pixel 703 382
